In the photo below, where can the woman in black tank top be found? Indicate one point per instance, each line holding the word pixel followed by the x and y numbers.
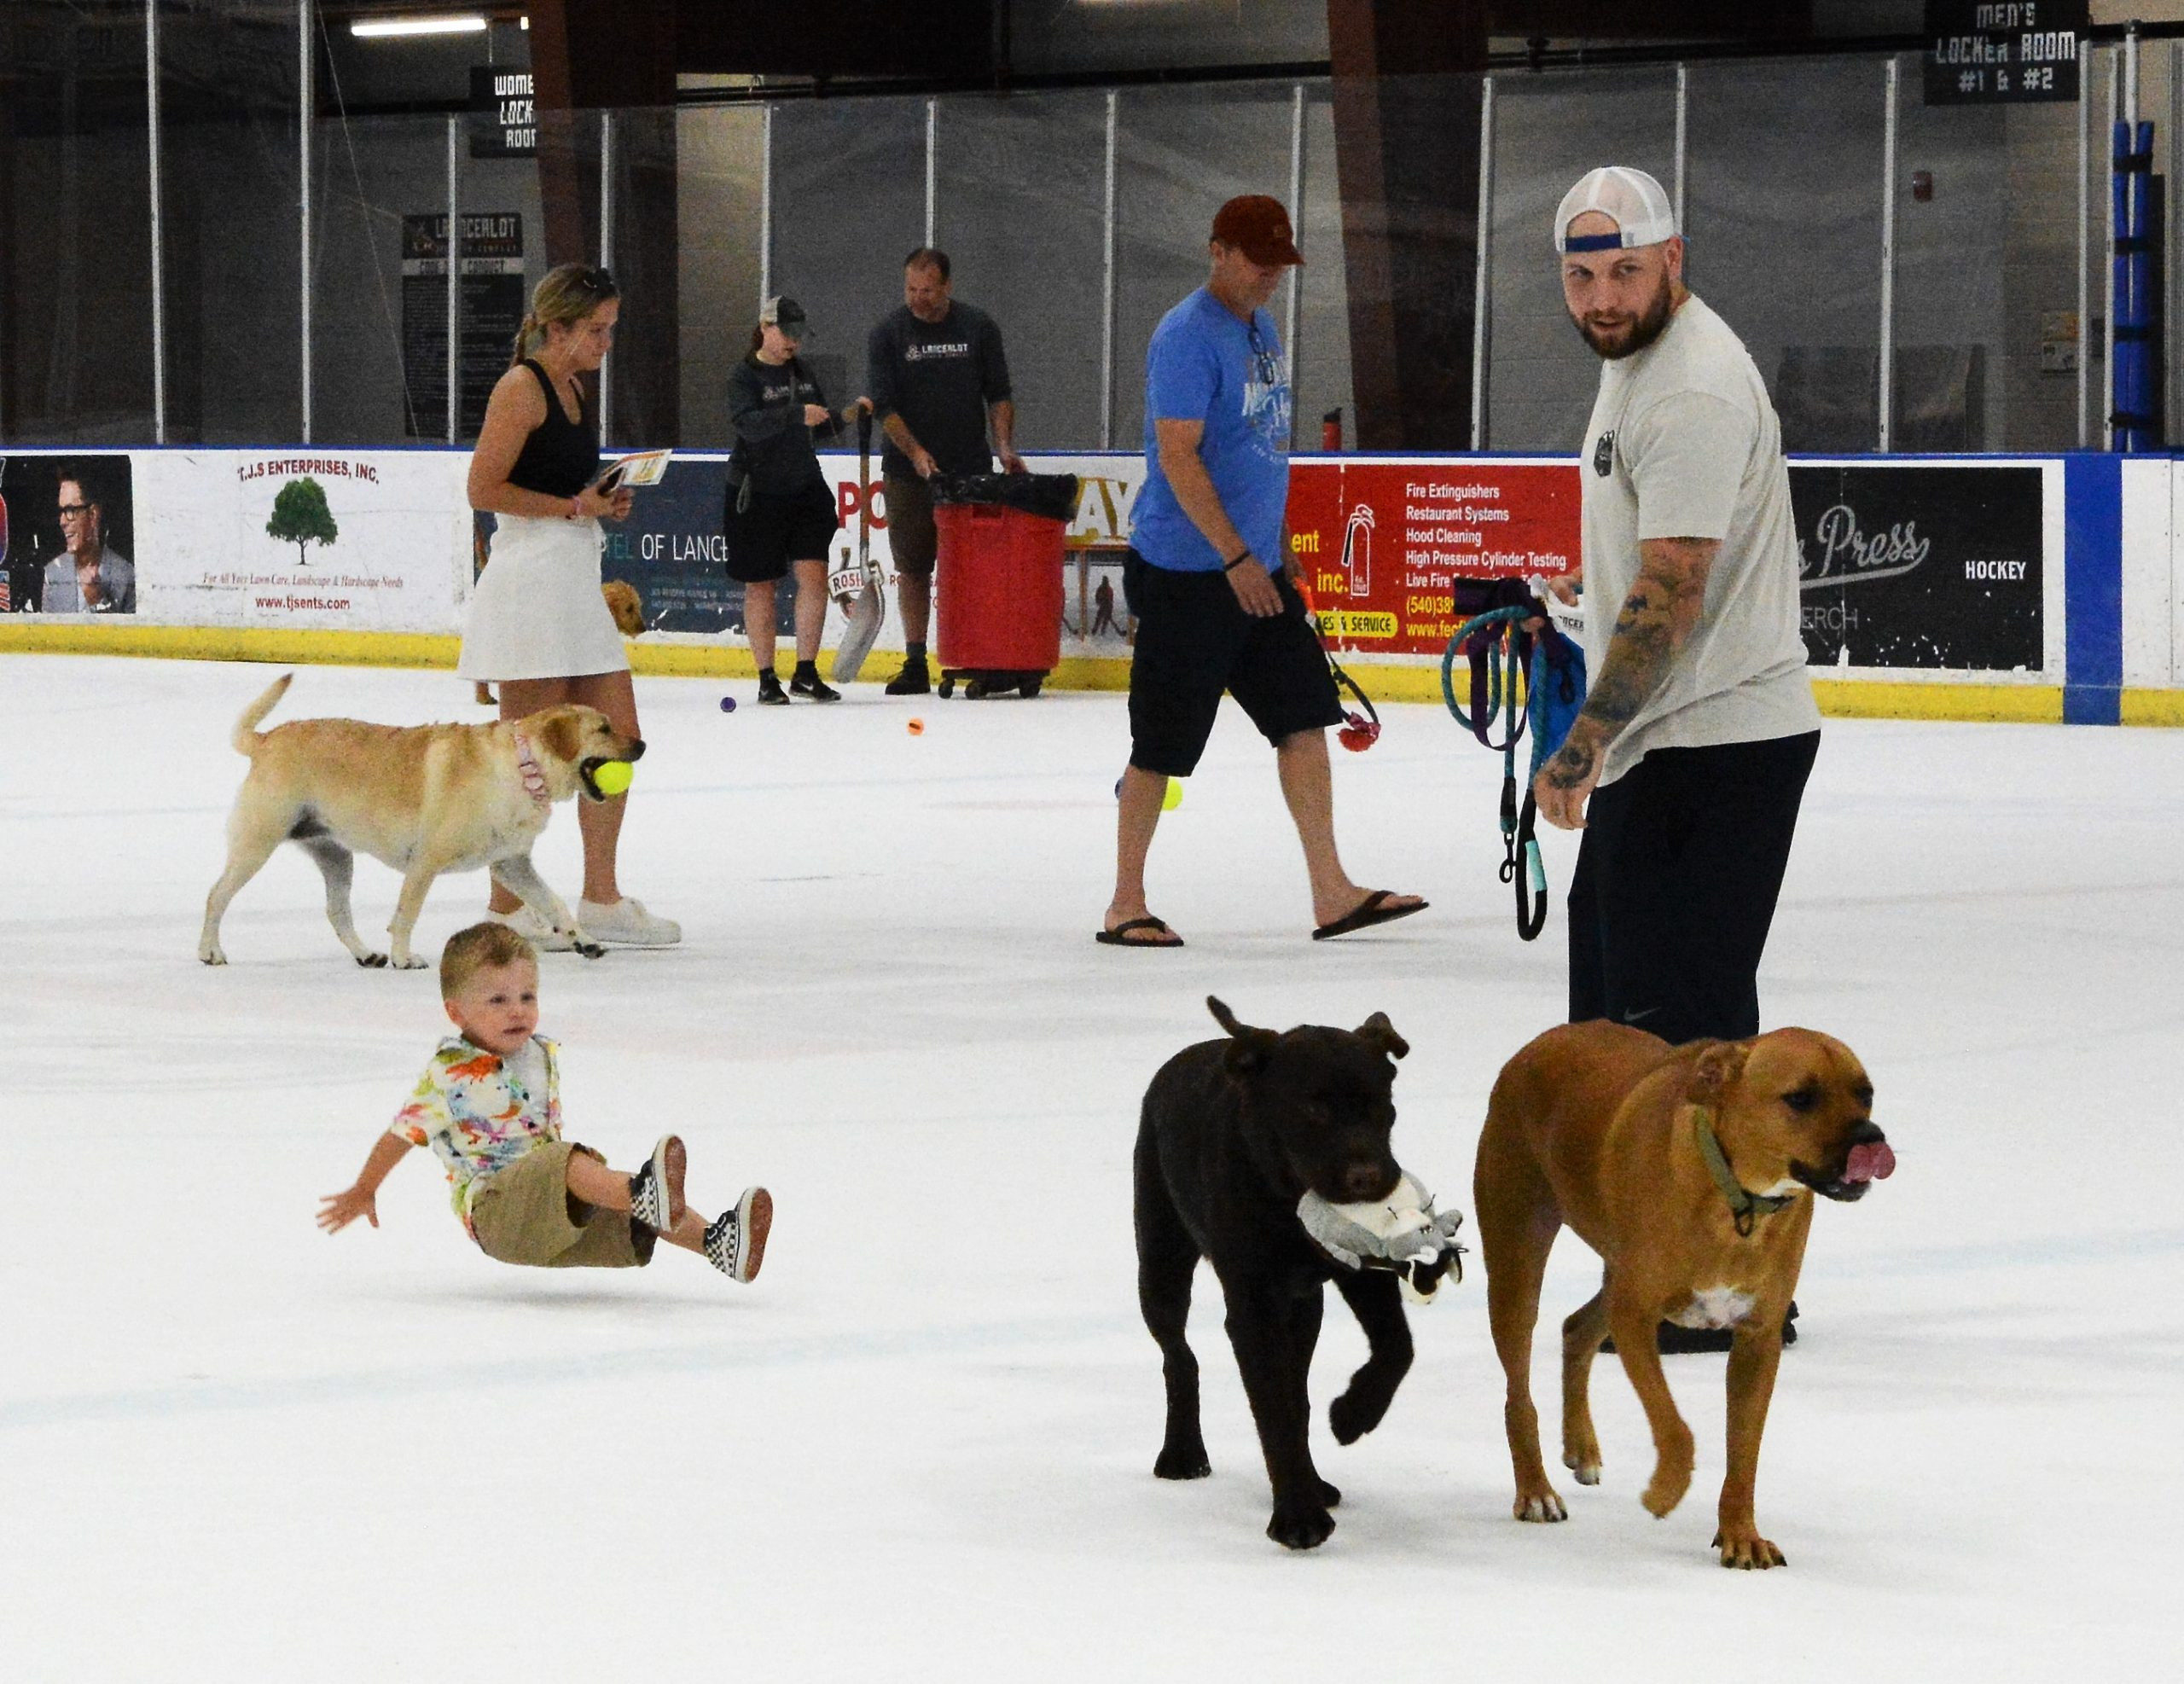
pixel 537 457
pixel 559 456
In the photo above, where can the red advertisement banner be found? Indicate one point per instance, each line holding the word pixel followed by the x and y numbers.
pixel 1382 541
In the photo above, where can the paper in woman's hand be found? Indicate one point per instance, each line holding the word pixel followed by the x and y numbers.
pixel 645 468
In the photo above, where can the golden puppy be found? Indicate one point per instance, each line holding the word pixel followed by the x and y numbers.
pixel 624 604
pixel 423 799
pixel 1691 1170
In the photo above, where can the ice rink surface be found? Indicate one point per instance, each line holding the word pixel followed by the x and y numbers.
pixel 920 1445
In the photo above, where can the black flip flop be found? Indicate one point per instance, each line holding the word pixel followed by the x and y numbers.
pixel 1120 935
pixel 1373 909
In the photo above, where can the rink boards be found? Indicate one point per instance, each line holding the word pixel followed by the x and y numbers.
pixel 2027 588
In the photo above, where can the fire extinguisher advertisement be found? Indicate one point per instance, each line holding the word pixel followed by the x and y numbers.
pixel 1382 541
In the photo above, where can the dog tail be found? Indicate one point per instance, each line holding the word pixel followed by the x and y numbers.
pixel 245 738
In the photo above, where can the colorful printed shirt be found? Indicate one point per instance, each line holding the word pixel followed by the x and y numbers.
pixel 474 1110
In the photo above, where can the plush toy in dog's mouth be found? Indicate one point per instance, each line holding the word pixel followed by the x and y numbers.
pixel 603 779
pixel 1869 1161
pixel 1401 1232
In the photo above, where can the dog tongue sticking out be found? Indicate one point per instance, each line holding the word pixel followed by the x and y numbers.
pixel 1870 1161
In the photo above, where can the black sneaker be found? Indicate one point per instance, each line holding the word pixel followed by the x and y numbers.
pixel 812 685
pixel 1672 1340
pixel 913 680
pixel 769 690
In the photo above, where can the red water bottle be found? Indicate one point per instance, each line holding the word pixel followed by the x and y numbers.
pixel 1331 430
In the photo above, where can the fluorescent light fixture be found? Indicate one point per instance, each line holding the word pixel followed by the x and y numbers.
pixel 441 23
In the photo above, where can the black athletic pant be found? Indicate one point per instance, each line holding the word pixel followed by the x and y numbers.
pixel 1676 879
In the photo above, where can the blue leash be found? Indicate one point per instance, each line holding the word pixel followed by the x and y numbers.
pixel 1496 687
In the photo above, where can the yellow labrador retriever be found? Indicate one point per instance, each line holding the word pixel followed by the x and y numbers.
pixel 423 799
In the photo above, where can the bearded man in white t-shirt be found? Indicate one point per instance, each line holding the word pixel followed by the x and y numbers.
pixel 1688 764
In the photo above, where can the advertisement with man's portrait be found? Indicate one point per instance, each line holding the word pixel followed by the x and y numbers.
pixel 68 535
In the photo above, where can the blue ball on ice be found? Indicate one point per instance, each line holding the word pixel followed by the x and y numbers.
pixel 727 704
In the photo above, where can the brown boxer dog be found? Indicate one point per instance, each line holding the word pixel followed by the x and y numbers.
pixel 1691 1170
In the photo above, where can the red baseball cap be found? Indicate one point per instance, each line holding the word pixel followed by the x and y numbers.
pixel 1258 227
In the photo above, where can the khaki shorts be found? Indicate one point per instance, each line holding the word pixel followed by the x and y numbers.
pixel 913 540
pixel 527 1215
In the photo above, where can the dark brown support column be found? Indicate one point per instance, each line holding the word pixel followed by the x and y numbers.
pixel 590 56
pixel 1406 126
pixel 11 397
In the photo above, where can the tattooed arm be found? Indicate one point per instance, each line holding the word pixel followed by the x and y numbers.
pixel 1658 619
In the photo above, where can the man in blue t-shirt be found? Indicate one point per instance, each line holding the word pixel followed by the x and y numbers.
pixel 1209 579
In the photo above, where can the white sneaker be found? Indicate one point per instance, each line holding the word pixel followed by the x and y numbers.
pixel 626 924
pixel 533 929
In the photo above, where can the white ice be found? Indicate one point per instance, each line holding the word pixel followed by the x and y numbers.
pixel 920 1445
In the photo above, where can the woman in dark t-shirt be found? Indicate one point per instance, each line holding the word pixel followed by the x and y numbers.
pixel 780 512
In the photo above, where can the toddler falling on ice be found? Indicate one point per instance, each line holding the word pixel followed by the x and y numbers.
pixel 489 1105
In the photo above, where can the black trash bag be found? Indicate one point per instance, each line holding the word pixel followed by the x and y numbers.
pixel 1052 497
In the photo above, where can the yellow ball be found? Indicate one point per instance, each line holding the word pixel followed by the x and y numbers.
pixel 613 777
pixel 1174 797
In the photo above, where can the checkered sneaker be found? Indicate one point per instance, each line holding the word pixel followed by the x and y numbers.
pixel 735 1241
pixel 656 1189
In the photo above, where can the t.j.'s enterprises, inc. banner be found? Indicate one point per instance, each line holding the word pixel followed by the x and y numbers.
pixel 331 540
pixel 315 539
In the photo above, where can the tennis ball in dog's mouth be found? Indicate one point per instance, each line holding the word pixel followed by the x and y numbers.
pixel 613 777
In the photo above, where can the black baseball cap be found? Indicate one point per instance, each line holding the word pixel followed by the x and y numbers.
pixel 788 315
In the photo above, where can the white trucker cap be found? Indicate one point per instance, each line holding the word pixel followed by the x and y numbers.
pixel 1632 199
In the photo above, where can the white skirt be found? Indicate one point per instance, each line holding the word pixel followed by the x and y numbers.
pixel 536 611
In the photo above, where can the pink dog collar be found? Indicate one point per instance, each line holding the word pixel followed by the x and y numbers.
pixel 534 781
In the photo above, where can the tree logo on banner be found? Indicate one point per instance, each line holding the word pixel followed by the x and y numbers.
pixel 300 516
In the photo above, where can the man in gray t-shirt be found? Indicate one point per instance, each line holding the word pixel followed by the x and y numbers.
pixel 1687 766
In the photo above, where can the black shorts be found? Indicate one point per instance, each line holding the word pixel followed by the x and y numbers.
pixel 913 539
pixel 776 530
pixel 1194 642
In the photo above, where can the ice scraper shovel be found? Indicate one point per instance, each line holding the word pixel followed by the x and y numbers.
pixel 857 588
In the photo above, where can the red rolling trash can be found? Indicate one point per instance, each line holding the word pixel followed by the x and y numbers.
pixel 1000 578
